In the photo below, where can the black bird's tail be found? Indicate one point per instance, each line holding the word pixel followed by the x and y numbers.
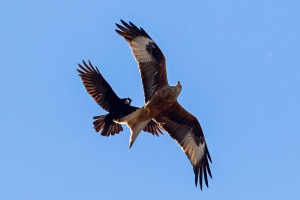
pixel 107 125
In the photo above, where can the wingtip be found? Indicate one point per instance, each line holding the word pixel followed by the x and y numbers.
pixel 123 22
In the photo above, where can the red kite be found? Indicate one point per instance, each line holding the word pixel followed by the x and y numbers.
pixel 161 102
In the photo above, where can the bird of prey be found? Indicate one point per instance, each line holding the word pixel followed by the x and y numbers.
pixel 107 99
pixel 161 102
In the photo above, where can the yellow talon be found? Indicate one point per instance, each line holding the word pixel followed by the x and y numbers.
pixel 147 109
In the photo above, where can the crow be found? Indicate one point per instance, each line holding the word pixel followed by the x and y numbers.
pixel 103 94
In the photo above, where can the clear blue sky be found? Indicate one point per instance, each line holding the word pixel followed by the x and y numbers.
pixel 238 63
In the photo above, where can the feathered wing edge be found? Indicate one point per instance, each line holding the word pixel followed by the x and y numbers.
pixel 185 129
pixel 202 169
pixel 97 86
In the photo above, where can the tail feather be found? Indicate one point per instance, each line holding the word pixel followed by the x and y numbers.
pixel 99 122
pixel 136 121
pixel 107 125
pixel 136 130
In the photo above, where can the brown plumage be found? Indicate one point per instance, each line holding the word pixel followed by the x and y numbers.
pixel 161 102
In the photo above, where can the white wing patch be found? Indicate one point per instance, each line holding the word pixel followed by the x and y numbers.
pixel 138 46
pixel 195 153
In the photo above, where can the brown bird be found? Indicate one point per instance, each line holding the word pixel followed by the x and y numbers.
pixel 161 102
pixel 107 99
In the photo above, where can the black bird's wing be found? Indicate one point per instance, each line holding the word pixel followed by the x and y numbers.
pixel 97 86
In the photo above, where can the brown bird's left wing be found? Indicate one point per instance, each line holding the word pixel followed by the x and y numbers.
pixel 186 130
pixel 152 63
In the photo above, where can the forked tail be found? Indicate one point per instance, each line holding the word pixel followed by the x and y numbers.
pixel 136 121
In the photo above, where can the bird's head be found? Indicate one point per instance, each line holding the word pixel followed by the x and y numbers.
pixel 127 101
pixel 178 86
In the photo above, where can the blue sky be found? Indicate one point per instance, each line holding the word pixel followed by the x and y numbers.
pixel 238 63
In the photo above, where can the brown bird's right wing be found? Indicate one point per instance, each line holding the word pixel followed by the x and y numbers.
pixel 152 128
pixel 152 63
pixel 97 86
pixel 186 130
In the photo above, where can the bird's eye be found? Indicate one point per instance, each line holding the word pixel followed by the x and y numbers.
pixel 127 101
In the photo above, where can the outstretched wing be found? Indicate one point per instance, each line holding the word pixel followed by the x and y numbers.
pixel 97 86
pixel 186 130
pixel 152 63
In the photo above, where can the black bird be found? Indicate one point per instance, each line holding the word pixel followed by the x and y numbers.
pixel 107 99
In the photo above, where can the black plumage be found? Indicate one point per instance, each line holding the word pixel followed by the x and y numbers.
pixel 107 99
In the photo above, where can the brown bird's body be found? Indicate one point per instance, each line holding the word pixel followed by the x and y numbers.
pixel 161 102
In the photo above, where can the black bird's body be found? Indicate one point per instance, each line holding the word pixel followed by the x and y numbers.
pixel 107 99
